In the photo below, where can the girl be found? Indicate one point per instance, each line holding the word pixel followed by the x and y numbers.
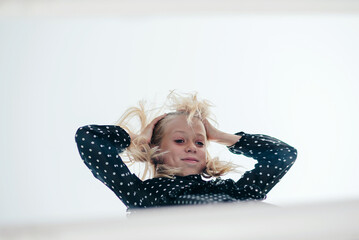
pixel 174 147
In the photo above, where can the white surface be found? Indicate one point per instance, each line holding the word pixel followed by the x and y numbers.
pixel 336 220
pixel 168 7
pixel 291 77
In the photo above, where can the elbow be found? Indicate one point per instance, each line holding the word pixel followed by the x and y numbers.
pixel 287 155
pixel 292 154
pixel 78 134
pixel 81 134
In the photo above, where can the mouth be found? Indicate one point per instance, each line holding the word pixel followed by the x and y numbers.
pixel 190 160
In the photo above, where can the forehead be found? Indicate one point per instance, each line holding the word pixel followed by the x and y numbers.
pixel 179 123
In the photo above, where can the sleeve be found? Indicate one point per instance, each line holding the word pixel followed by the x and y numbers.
pixel 99 147
pixel 274 158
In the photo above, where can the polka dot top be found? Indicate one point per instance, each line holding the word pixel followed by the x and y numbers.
pixel 99 147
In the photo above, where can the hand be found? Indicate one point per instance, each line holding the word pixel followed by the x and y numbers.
pixel 146 134
pixel 213 134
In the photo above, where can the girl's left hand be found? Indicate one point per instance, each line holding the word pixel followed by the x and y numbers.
pixel 213 133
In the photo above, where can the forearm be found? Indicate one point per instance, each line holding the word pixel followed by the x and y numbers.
pixel 99 146
pixel 274 157
pixel 264 148
pixel 226 138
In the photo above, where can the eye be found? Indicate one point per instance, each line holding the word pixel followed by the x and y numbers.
pixel 179 141
pixel 199 143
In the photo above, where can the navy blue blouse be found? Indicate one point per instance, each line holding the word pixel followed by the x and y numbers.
pixel 99 147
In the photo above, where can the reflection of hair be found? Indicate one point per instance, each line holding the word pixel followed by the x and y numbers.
pixel 139 151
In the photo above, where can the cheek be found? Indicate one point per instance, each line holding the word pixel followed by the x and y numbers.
pixel 204 154
pixel 171 152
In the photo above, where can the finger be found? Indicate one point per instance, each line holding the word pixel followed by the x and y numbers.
pixel 154 121
pixel 206 123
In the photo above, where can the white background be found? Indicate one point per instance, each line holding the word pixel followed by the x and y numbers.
pixel 293 77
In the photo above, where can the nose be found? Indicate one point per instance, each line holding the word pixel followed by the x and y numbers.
pixel 191 148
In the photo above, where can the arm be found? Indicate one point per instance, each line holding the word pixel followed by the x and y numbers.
pixel 274 157
pixel 99 147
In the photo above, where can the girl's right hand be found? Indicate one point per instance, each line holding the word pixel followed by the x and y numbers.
pixel 146 133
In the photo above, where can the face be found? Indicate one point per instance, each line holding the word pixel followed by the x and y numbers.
pixel 186 145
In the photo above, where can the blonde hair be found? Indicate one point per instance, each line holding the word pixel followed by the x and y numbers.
pixel 149 153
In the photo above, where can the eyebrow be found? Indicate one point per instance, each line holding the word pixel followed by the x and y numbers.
pixel 200 134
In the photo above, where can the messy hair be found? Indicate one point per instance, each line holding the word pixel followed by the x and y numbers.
pixel 150 154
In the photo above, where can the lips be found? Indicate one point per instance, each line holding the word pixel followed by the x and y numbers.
pixel 189 159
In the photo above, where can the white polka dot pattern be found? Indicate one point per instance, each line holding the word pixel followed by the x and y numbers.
pixel 99 146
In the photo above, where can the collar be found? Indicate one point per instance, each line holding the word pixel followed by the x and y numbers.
pixel 192 177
